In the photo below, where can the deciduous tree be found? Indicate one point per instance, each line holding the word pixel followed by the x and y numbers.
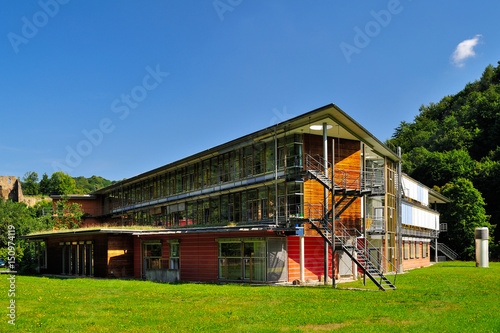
pixel 463 215
pixel 30 183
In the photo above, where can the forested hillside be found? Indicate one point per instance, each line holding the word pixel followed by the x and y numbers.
pixel 61 183
pixel 455 145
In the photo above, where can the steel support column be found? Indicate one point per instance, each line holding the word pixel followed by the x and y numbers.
pixel 302 258
pixel 332 194
pixel 325 194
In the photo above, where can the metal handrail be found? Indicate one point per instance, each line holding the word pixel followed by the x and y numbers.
pixel 348 179
pixel 355 236
pixel 446 250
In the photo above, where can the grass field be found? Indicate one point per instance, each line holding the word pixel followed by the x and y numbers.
pixel 447 297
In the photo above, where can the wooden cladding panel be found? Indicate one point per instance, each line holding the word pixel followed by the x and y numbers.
pixel 348 159
pixel 120 256
pixel 199 253
pixel 313 256
pixel 199 258
pixel 137 257
pixel 347 152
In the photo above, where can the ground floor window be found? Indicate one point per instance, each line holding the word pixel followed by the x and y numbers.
pixel 242 259
pixel 152 255
pixel 412 250
pixel 417 250
pixel 425 250
pixel 406 250
pixel 77 258
pixel 174 255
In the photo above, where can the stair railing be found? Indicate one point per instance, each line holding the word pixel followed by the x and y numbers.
pixel 317 163
pixel 344 236
pixel 445 250
pixel 348 179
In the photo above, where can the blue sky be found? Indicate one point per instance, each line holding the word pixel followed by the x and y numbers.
pixel 116 88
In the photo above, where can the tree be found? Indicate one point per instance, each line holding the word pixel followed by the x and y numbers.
pixel 16 220
pixel 438 168
pixel 44 185
pixel 69 215
pixel 459 137
pixel 15 214
pixel 30 183
pixel 61 183
pixel 463 215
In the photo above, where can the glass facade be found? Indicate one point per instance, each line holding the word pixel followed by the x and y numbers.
pixel 193 194
pixel 242 260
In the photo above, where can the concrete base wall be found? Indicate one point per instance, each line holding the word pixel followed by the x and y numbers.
pixel 163 275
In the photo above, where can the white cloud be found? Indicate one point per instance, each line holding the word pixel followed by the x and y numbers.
pixel 464 50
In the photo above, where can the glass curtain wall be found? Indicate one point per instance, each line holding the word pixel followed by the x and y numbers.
pixel 247 205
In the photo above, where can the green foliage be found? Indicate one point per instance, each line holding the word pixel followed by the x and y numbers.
pixel 439 167
pixel 23 220
pixel 44 185
pixel 69 215
pixel 459 137
pixel 30 183
pixel 19 218
pixel 469 120
pixel 463 215
pixel 61 183
pixel 15 214
pixel 88 185
pixel 447 297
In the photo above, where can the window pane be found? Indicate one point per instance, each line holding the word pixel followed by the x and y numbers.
pixel 174 263
pixel 230 249
pixel 233 268
pixel 254 249
pixel 222 268
pixel 153 250
pixel 258 269
pixel 174 250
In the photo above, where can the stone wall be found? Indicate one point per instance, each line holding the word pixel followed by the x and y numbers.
pixel 10 188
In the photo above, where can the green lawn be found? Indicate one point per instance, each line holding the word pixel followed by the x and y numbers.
pixel 447 297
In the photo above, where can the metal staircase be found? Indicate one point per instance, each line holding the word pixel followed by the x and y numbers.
pixel 444 249
pixel 347 188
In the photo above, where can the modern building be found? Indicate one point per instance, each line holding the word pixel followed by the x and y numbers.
pixel 267 207
pixel 420 224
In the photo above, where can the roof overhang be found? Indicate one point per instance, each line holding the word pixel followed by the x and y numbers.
pixel 437 198
pixel 341 126
pixel 73 196
pixel 159 232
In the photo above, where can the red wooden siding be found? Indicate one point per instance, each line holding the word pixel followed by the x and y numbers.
pixel 90 206
pixel 137 257
pixel 199 258
pixel 120 256
pixel 198 253
pixel 313 255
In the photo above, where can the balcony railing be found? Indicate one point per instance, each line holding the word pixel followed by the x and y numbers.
pixel 87 212
pixel 372 180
